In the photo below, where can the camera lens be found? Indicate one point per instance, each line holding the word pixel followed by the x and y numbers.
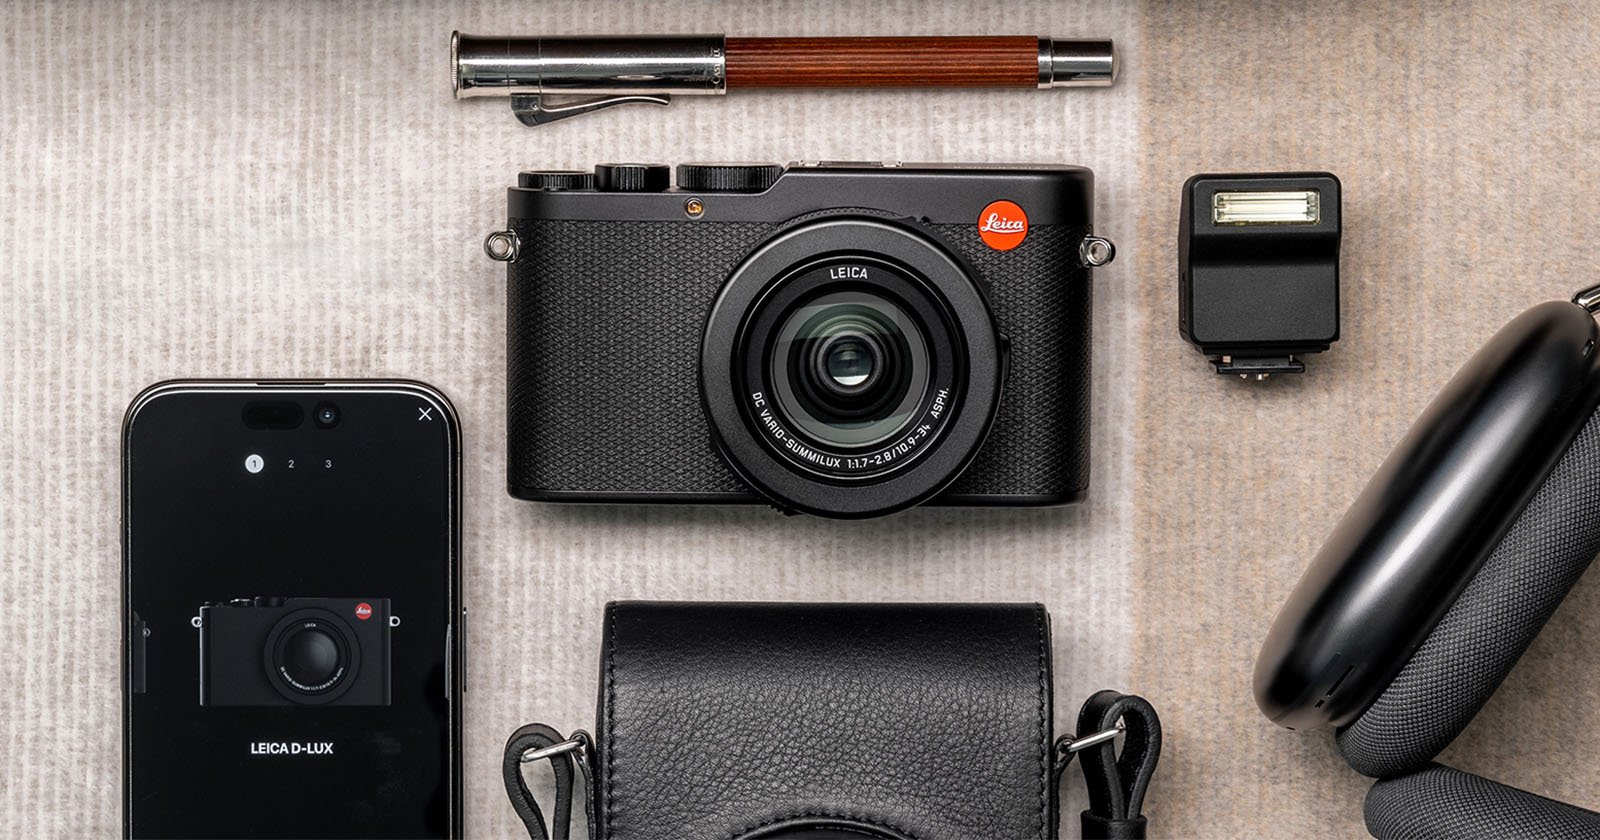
pixel 850 366
pixel 325 415
pixel 310 657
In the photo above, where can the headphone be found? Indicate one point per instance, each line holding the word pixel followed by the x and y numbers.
pixel 1442 573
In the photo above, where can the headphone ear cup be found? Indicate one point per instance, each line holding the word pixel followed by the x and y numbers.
pixel 1483 634
pixel 1438 801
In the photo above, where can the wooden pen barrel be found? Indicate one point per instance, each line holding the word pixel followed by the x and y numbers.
pixel 953 62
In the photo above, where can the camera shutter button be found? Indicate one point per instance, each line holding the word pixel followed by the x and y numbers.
pixel 632 177
pixel 728 177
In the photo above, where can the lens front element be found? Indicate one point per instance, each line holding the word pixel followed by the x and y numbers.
pixel 850 368
pixel 848 361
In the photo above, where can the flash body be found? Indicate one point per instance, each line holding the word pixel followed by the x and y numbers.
pixel 840 339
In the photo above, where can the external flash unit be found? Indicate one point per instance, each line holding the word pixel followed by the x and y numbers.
pixel 1258 263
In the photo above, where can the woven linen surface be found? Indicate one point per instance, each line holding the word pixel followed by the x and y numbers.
pixel 281 190
pixel 215 189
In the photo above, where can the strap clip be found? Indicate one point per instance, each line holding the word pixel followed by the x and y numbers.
pixel 578 741
pixel 570 761
pixel 1069 744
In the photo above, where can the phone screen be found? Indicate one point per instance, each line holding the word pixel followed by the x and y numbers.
pixel 291 603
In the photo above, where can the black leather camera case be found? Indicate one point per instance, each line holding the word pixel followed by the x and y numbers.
pixel 834 722
pixel 893 721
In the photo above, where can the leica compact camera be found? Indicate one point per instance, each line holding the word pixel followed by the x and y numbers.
pixel 295 652
pixel 840 339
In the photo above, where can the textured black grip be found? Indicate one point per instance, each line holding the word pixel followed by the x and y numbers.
pixel 1039 445
pixel 1485 632
pixel 603 355
pixel 1441 802
pixel 604 321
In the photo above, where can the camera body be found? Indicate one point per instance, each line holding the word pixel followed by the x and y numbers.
pixel 295 652
pixel 659 347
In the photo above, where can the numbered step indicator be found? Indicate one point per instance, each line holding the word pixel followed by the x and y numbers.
pixel 307 463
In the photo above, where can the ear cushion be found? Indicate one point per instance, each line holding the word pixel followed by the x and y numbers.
pixel 1440 802
pixel 1462 662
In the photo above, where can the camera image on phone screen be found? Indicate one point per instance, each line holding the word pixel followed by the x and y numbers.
pixel 293 611
pixel 295 651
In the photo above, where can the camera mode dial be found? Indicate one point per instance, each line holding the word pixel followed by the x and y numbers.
pixel 728 177
pixel 556 179
pixel 632 177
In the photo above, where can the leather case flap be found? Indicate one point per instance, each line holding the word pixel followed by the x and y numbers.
pixel 901 720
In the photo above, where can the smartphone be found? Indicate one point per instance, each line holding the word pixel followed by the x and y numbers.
pixel 292 643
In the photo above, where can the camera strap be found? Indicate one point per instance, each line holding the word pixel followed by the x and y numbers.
pixel 568 757
pixel 1116 783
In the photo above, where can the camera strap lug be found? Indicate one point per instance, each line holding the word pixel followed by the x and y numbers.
pixel 535 109
pixel 1095 251
pixel 502 245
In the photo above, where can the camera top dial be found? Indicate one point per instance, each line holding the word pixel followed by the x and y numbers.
pixel 632 177
pixel 556 179
pixel 727 177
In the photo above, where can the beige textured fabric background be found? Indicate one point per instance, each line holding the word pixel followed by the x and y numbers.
pixel 231 190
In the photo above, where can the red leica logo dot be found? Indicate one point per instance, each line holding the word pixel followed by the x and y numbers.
pixel 363 610
pixel 1003 225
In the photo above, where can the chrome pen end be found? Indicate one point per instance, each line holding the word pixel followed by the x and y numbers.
pixel 1065 63
pixel 455 63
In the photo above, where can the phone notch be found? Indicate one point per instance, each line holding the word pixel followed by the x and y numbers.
pixel 273 414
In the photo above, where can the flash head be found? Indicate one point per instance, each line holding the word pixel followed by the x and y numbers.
pixel 1258 263
pixel 1266 207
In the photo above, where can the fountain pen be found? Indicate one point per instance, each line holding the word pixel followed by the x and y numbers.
pixel 549 79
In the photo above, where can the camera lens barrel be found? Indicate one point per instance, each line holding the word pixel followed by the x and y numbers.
pixel 851 366
pixel 311 656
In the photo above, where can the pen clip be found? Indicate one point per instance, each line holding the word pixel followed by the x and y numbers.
pixel 531 109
